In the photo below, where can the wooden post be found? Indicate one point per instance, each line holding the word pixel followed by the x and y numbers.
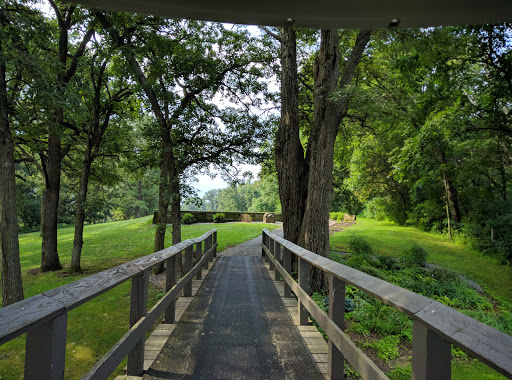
pixel 209 239
pixel 199 254
pixel 170 281
pixel 215 242
pixel 46 350
pixel 271 245
pixel 189 252
pixel 431 354
pixel 287 264
pixel 336 360
pixel 304 284
pixel 277 253
pixel 263 235
pixel 138 309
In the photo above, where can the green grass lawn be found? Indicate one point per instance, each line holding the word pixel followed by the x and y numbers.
pixel 391 239
pixel 96 325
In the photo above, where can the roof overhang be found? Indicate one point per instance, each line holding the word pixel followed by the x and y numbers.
pixel 359 14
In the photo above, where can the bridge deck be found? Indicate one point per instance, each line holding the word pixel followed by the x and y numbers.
pixel 237 327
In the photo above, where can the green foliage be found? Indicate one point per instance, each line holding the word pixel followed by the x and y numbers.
pixel 219 217
pixel 387 348
pixel 188 218
pixel 358 244
pixel 371 316
pixel 416 255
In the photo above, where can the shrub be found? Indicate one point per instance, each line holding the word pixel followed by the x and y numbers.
pixel 358 244
pixel 416 256
pixel 219 217
pixel 188 218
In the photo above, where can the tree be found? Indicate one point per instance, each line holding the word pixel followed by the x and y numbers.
pixel 180 77
pixel 69 18
pixel 12 288
pixel 104 103
pixel 314 168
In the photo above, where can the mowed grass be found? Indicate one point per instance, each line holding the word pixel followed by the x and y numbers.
pixel 391 239
pixel 96 325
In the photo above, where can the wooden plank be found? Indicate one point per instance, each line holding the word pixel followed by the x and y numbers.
pixel 431 354
pixel 45 353
pixel 170 280
pixel 489 345
pixel 336 360
pixel 22 316
pixel 138 309
pixel 187 291
pixel 304 269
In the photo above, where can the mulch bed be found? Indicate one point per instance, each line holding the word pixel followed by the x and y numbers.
pixel 339 226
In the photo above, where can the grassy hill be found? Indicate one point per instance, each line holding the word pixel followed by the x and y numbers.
pixel 391 239
pixel 384 333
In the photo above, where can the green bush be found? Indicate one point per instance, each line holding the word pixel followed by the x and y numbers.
pixel 358 244
pixel 188 218
pixel 219 217
pixel 416 255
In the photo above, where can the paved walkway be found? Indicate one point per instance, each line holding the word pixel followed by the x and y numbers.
pixel 237 327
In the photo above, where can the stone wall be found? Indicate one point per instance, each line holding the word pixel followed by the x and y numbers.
pixel 207 216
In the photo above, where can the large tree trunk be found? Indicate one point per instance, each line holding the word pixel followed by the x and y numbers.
pixel 78 240
pixel 318 165
pixel 50 205
pixel 315 226
pixel 12 288
pixel 289 153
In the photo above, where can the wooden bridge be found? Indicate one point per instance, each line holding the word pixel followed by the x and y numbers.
pixel 237 326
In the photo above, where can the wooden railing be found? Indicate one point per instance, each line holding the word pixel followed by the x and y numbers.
pixel 44 317
pixel 435 326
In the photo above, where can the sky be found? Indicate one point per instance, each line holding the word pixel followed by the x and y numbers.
pixel 205 183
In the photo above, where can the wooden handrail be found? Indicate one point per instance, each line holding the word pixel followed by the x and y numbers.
pixel 44 316
pixel 431 319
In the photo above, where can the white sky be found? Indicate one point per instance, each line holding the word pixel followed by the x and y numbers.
pixel 205 183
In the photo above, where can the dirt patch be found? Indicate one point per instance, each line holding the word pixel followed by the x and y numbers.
pixel 34 271
pixel 339 226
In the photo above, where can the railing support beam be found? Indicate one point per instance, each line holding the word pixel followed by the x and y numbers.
pixel 199 254
pixel 277 255
pixel 189 252
pixel 287 264
pixel 46 350
pixel 170 281
pixel 214 242
pixel 138 309
pixel 431 354
pixel 336 360
pixel 271 245
pixel 304 268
